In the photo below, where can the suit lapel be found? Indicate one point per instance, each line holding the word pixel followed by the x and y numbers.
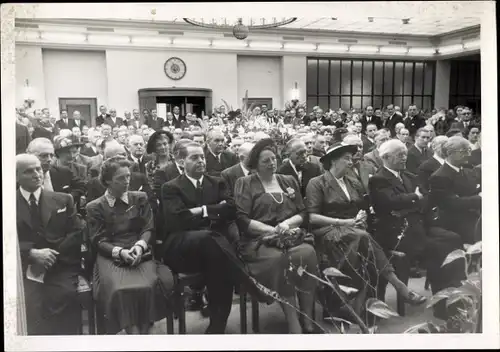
pixel 23 209
pixel 47 205
pixel 188 188
pixel 394 180
pixel 238 172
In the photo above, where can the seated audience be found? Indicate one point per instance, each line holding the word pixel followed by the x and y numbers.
pixel 235 172
pixel 431 165
pixel 217 159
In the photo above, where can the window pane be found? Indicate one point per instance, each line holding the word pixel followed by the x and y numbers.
pixel 345 103
pixel 419 76
pixel 334 103
pixel 418 101
pixel 367 101
pixel 324 103
pixel 377 102
pixel 335 77
pixel 356 77
pixel 427 104
pixel 388 89
pixel 312 77
pixel 378 79
pixel 346 77
pixel 311 102
pixel 429 71
pixel 398 78
pixel 356 102
pixel 407 100
pixel 453 78
pixel 323 77
pixel 398 101
pixel 367 77
pixel 388 100
pixel 408 82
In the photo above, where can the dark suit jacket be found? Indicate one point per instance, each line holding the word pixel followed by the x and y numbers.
pixel 119 122
pixel 138 182
pixel 365 172
pixel 391 123
pixel 368 145
pixel 72 123
pixel 61 125
pixel 179 195
pixel 88 151
pixel 416 158
pixel 474 158
pixel 309 171
pixel 412 125
pixel 142 163
pixel 460 125
pixel 393 202
pixel 177 121
pixel 136 123
pixel 231 175
pixel 63 180
pixel 457 197
pixel 99 120
pixel 41 132
pixel 214 167
pixel 374 159
pixel 60 231
pixel 374 119
pixel 425 170
pixel 156 125
pixel 23 138
pixel 164 175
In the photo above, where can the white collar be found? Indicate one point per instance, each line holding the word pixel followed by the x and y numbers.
pixel 194 181
pixel 452 166
pixel 245 170
pixel 395 173
pixel 438 158
pixel 181 171
pixel 294 168
pixel 136 159
pixel 111 199
pixel 26 195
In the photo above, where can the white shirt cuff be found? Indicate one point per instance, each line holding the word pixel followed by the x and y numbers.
pixel 142 244
pixel 204 209
pixel 116 252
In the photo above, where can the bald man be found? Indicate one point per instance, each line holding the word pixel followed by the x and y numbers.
pixel 233 173
pixel 138 181
pixel 50 237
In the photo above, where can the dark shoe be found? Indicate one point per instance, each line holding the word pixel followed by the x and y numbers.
pixel 195 302
pixel 415 299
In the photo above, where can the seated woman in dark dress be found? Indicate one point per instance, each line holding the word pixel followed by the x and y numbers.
pixel 268 203
pixel 338 219
pixel 129 287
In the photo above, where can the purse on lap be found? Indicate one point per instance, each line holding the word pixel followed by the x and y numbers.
pixel 286 240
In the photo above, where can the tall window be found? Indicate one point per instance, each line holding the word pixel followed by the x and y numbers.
pixel 465 84
pixel 339 83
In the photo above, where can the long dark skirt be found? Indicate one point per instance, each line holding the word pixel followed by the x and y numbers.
pixel 131 296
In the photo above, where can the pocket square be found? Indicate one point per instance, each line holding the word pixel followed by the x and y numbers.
pixel 65 187
pixel 478 186
pixel 61 210
pixel 140 188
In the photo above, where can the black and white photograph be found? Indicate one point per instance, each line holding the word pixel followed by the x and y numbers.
pixel 242 169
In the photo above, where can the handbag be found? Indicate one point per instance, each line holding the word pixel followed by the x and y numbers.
pixel 286 240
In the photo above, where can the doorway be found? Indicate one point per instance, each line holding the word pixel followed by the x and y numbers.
pixel 193 105
pixel 86 106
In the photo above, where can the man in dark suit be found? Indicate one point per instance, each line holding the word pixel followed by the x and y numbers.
pixel 361 171
pixel 137 152
pixel 414 121
pixel 197 209
pixel 56 178
pixel 23 138
pixel 463 120
pixel 319 146
pixel 233 173
pixel 113 120
pixel 368 117
pixel 99 120
pixel 270 118
pixel 76 121
pixel 373 157
pixel 177 118
pixel 399 209
pixel 431 165
pixel 298 166
pixel 63 122
pixel 50 237
pixel 456 191
pixel 393 119
pixel 154 121
pixel 419 151
pixel 368 138
pixel 217 158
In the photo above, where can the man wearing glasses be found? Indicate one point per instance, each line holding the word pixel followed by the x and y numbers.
pixel 456 191
pixel 463 123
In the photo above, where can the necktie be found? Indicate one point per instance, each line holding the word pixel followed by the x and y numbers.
pixel 36 219
pixel 218 158
pixel 199 192
pixel 424 150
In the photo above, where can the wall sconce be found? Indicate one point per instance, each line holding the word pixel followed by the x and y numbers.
pixel 295 93
pixel 28 94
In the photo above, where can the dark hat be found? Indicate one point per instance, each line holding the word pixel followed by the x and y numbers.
pixel 338 149
pixel 150 147
pixel 62 142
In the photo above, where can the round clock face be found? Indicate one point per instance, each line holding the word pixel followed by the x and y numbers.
pixel 175 68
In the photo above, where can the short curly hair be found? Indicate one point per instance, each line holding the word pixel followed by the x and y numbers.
pixel 110 166
pixel 258 148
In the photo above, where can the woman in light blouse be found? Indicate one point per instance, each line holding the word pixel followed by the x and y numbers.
pixel 129 287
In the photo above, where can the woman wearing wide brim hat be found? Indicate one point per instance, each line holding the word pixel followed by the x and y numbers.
pixel 338 218
pixel 66 150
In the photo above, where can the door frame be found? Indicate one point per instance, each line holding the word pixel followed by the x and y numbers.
pixel 146 96
pixel 63 103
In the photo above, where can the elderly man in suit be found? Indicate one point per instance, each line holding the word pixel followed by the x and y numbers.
pixel 103 115
pixel 137 152
pixel 419 151
pixel 217 158
pixel 297 164
pixel 50 237
pixel 233 173
pixel 456 191
pixel 197 208
pixel 431 165
pixel 56 178
pixel 113 120
pixel 76 121
pixel 399 208
pixel 373 157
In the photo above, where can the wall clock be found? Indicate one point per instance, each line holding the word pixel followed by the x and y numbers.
pixel 175 68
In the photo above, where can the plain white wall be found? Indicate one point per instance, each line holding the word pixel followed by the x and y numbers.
pixel 131 70
pixel 294 70
pixel 261 76
pixel 29 66
pixel 442 91
pixel 74 74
